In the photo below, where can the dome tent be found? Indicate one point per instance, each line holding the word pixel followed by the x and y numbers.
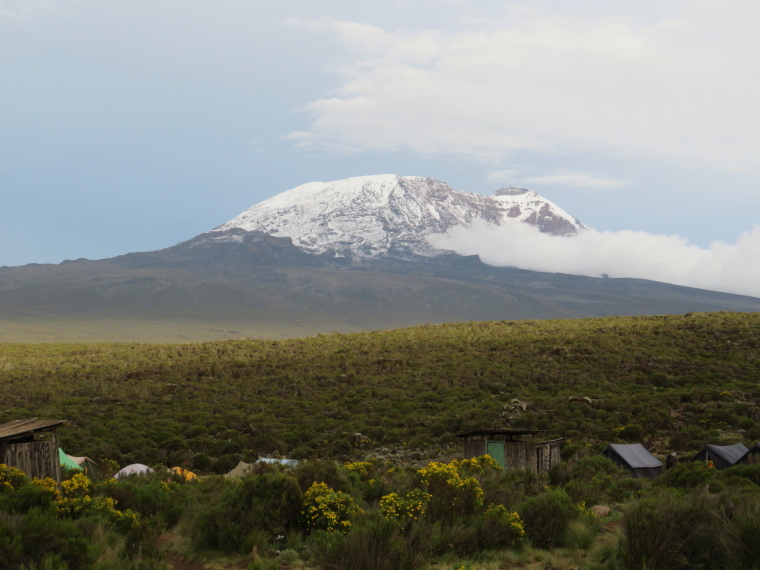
pixel 134 469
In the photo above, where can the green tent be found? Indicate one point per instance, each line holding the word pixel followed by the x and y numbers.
pixel 90 468
pixel 66 461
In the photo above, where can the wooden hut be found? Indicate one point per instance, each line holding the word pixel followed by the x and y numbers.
pixel 509 450
pixel 32 446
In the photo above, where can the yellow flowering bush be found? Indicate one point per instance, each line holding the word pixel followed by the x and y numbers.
pixel 411 506
pixel 361 468
pixel 11 478
pixel 78 486
pixel 444 481
pixel 49 485
pixel 328 510
pixel 477 464
pixel 505 524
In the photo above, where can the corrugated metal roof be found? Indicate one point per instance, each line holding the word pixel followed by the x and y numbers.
pixel 729 453
pixel 634 454
pixel 22 427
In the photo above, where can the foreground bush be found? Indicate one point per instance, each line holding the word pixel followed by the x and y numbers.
pixel 547 517
pixel 377 544
pixel 675 532
pixel 234 520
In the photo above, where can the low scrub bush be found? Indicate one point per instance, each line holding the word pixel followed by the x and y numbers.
pixel 547 516
pixel 270 503
pixel 38 537
pixel 500 528
pixel 376 544
pixel 667 530
pixel 687 475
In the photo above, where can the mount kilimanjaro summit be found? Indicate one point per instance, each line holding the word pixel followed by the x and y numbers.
pixel 344 256
pixel 391 216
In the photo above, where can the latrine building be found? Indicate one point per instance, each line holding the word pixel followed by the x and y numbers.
pixel 32 446
pixel 513 448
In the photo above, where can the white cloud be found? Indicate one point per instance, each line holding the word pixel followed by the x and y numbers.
pixel 725 267
pixel 576 180
pixel 683 89
pixel 507 176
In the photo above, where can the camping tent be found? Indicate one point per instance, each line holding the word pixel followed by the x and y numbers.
pixel 66 461
pixel 274 461
pixel 185 474
pixel 635 458
pixel 240 470
pixel 134 469
pixel 722 456
pixel 90 468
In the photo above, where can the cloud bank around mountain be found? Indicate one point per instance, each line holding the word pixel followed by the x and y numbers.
pixel 682 89
pixel 732 268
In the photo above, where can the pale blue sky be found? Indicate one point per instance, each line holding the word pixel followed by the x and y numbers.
pixel 134 125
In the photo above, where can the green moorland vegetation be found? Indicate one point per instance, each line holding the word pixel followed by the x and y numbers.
pixel 373 417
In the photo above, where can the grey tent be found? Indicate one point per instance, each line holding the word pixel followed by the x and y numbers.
pixel 635 458
pixel 722 456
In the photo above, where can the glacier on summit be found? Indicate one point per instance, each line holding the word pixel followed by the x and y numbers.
pixel 391 216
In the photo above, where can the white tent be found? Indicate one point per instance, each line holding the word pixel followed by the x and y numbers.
pixel 134 469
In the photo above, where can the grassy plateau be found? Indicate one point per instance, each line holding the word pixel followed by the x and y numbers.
pixel 376 414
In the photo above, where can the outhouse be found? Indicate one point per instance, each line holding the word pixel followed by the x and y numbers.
pixel 510 449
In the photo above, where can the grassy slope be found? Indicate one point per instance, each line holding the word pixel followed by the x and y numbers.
pixel 676 381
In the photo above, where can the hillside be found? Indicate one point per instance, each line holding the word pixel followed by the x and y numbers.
pixel 239 284
pixel 672 381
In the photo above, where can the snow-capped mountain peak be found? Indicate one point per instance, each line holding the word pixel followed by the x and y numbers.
pixel 389 215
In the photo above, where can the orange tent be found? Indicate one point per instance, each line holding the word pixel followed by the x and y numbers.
pixel 186 474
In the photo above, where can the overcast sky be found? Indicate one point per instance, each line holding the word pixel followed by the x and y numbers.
pixel 131 125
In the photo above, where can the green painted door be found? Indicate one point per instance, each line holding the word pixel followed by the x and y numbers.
pixel 496 450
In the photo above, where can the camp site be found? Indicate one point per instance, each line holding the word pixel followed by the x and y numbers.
pixel 614 443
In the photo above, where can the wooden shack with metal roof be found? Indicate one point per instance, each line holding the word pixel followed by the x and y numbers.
pixel 510 450
pixel 32 446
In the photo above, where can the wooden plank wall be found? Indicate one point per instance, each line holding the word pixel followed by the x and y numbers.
pixel 474 448
pixel 519 455
pixel 36 459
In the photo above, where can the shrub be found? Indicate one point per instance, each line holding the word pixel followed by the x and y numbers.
pixel 687 475
pixel 322 471
pixel 742 526
pixel 668 531
pixel 451 493
pixel 500 528
pixel 270 502
pixel 328 510
pixel 39 537
pixel 411 506
pixel 580 533
pixel 377 544
pixel 546 517
pixel 11 478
